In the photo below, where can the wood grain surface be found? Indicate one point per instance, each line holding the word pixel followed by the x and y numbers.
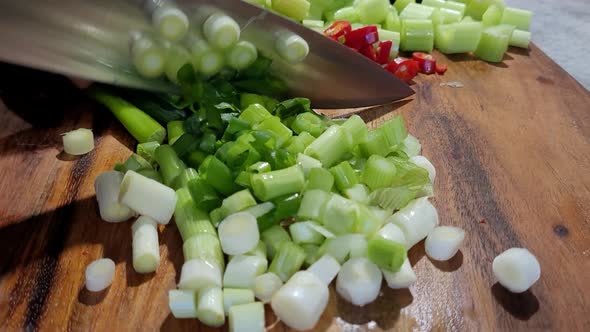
pixel 512 153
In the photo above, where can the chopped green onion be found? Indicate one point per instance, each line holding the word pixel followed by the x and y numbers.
pixel 359 281
pixel 135 163
pixel 254 114
pixel 326 268
pixel 295 9
pixel 210 306
pixel 242 55
pixel 99 274
pixel 276 128
pixel 261 209
pixel 403 278
pixel 189 219
pixel 176 57
pixel 147 197
pixel 301 301
pixel 476 8
pixel 203 195
pixel 312 204
pixel 170 23
pixel 140 125
pixel 236 296
pixel 197 274
pixel 238 201
pixel 311 253
pixel 307 163
pixel 238 233
pixel 388 255
pixel 287 260
pixel 302 233
pixel 393 233
pixel 259 250
pixel 183 303
pixel 319 179
pixel 273 238
pixel 411 146
pixel 221 31
pixel 211 62
pixel 340 214
pixel 443 242
pixel 310 123
pixel 356 130
pixel 186 176
pixel 344 176
pixel 242 270
pixel 107 187
pixel 147 151
pixel 358 193
pixel 170 165
pixel 217 175
pixel 78 142
pixel 379 172
pixel 392 198
pixel 417 220
pixel 267 186
pixel 175 130
pixel 148 57
pixel 320 229
pixel 146 249
pixel 151 174
pixel 517 269
pixel 292 48
pixel 205 247
pixel 328 147
pixel 375 144
pixel 367 222
pixel 246 317
pixel 266 285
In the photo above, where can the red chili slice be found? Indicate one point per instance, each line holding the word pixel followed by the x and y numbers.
pixel 426 62
pixel 404 69
pixel 440 69
pixel 358 38
pixel 369 52
pixel 338 30
pixel 383 51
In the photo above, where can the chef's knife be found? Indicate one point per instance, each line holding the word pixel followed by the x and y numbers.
pixel 89 39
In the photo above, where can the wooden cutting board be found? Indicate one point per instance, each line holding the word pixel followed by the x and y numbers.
pixel 512 154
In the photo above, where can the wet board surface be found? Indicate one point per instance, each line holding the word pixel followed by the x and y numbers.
pixel 512 154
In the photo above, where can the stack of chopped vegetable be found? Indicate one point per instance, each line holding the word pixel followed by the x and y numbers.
pixel 378 30
pixel 272 200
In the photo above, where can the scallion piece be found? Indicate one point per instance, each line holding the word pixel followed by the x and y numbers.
pixel 287 260
pixel 388 255
pixel 339 214
pixel 312 204
pixel 78 142
pixel 176 57
pixel 274 126
pixel 140 125
pixel 148 56
pixel 267 186
pixel 187 175
pixel 204 196
pixel 242 270
pixel 379 172
pixel 205 247
pixel 292 48
pixel 295 9
pixel 303 234
pixel 238 233
pixel 147 151
pixel 247 317
pixel 170 165
pixel 254 114
pixel 517 269
pixel 107 187
pixel 146 249
pixel 359 281
pixel 151 174
pixel 175 130
pixel 392 22
pixel 411 146
pixel 147 197
pixel 242 55
pixel 189 219
pixel 344 176
pixel 236 296
pixel 319 179
pixel 197 274
pixel 217 175
pixel 170 22
pixel 313 24
pixel 326 268
pixel 183 303
pixel 358 193
pixel 417 220
pixel 266 285
pixel 328 147
pixel 221 31
pixel 310 123
pixel 273 238
pixel 375 144
pixel 210 306
pixel 99 274
pixel 403 278
pixel 443 242
pixel 211 62
pixel 393 233
pixel 307 163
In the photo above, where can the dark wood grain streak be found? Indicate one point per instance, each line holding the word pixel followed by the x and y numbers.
pixel 512 153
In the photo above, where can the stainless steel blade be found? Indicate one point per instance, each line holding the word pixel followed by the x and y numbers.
pixel 89 39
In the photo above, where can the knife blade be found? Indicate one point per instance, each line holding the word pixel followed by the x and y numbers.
pixel 89 39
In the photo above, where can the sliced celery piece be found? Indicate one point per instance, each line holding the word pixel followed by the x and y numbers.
pixel 456 6
pixel 459 37
pixel 340 214
pixel 287 260
pixel 494 43
pixel 433 3
pixel 417 35
pixel 344 176
pixel 476 8
pixel 350 14
pixel 295 9
pixel 313 23
pixel 492 16
pixel 372 11
pixel 520 38
pixel 416 11
pixel 520 18
pixel 328 147
pixel 401 4
pixel 312 204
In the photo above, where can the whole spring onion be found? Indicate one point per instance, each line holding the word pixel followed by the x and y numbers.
pixel 238 233
pixel 443 242
pixel 100 274
pixel 359 281
pixel 147 197
pixel 301 301
pixel 517 269
pixel 266 285
pixel 146 249
pixel 107 186
pixel 78 142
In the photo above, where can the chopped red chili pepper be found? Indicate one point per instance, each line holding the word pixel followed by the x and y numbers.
pixel 426 62
pixel 369 52
pixel 358 38
pixel 383 51
pixel 404 69
pixel 440 69
pixel 338 30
